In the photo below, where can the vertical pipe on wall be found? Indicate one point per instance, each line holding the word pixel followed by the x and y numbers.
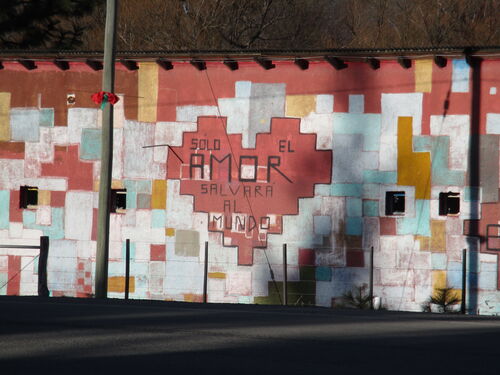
pixel 205 274
pixel 108 82
pixel 127 268
pixel 464 281
pixel 371 278
pixel 43 290
pixel 285 277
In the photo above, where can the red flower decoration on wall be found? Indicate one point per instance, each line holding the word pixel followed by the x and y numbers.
pixel 103 97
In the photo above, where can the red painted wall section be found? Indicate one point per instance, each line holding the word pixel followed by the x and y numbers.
pixel 256 185
pixel 14 275
pixel 67 164
pixel 184 85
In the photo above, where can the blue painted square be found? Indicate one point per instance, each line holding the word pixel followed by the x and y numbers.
pixel 47 117
pixel 471 193
pixel 455 266
pixel 124 250
pixel 90 148
pixel 439 261
pixel 488 280
pixel 370 208
pixel 323 274
pixel 144 186
pixel 116 268
pixel 322 225
pixel 488 267
pixel 454 279
pixel 4 209
pixel 347 190
pixel 158 219
pixel 354 226
pixel 354 207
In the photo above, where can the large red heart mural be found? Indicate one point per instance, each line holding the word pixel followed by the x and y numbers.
pixel 246 191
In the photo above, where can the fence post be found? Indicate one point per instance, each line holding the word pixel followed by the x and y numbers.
pixel 127 267
pixel 464 281
pixel 205 274
pixel 43 290
pixel 285 277
pixel 371 278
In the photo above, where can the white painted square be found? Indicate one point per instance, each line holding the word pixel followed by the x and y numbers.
pixel 239 283
pixel 324 104
pixel 493 90
pixel 43 215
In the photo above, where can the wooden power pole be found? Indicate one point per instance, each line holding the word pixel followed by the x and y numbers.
pixel 108 83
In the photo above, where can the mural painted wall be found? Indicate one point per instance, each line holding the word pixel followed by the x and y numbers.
pixel 328 162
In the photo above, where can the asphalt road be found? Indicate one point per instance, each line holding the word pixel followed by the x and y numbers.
pixel 80 336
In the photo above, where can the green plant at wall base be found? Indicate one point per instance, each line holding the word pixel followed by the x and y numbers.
pixel 357 297
pixel 444 298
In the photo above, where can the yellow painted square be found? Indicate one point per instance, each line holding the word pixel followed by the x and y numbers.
pixel 159 195
pixel 216 275
pixel 116 284
pixel 423 75
pixel 4 116
pixel 43 197
pixel 148 91
pixel 300 105
pixel 170 232
pixel 438 279
pixel 116 184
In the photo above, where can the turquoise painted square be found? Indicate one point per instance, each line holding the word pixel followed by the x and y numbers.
pixel 354 207
pixel 158 219
pixel 354 226
pixel 47 117
pixel 347 190
pixel 323 274
pixel 4 209
pixel 370 208
pixel 131 199
pixel 90 148
pixel 380 177
pixel 124 251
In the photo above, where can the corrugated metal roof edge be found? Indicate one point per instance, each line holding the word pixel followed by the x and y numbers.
pixel 347 54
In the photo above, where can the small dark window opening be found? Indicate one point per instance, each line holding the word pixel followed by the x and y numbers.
pixel 28 196
pixel 118 199
pixel 449 203
pixel 394 202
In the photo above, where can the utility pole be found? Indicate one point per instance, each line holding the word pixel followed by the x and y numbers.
pixel 108 83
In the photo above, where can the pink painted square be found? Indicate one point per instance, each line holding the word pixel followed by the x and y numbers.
pixel 158 252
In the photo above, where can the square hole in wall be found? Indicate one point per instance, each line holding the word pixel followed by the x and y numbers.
pixel 118 200
pixel 449 203
pixel 28 197
pixel 394 202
